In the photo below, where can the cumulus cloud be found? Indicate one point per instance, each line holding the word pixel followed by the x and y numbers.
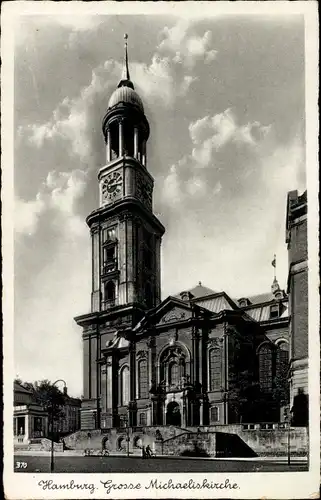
pixel 239 232
pixel 186 48
pixel 59 193
pixel 27 214
pixel 211 136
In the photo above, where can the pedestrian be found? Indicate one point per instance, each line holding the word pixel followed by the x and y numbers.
pixel 148 451
pixel 143 452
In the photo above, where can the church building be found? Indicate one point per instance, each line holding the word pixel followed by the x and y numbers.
pixel 198 358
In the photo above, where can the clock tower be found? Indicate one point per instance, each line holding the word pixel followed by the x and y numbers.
pixel 125 239
pixel 126 234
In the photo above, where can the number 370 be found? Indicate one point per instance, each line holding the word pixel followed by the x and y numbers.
pixel 21 465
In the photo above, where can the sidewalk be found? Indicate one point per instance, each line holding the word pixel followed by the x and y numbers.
pixel 80 453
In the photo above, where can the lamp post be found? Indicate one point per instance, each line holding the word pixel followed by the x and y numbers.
pixel 289 435
pixel 52 422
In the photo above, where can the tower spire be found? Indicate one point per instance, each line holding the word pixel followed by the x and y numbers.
pixel 125 76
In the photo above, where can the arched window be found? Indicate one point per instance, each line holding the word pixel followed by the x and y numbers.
pixel 215 370
pixel 142 379
pixel 282 359
pixel 124 383
pixel 173 376
pixel 265 368
pixel 110 292
pixel 142 419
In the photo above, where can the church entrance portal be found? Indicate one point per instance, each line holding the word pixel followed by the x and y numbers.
pixel 173 414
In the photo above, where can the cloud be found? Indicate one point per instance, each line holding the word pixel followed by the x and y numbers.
pixel 58 194
pixel 211 137
pixel 187 49
pixel 27 214
pixel 210 134
pixel 228 241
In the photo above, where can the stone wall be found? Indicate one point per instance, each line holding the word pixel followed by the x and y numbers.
pixel 174 440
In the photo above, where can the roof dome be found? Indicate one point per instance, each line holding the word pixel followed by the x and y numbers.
pixel 125 92
pixel 125 95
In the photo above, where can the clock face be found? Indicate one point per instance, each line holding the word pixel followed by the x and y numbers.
pixel 112 186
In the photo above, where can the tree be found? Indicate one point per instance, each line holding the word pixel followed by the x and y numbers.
pixel 247 402
pixel 48 396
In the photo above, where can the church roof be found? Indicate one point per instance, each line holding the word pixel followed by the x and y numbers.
pixel 197 292
pixel 215 304
pixel 125 95
pixel 261 297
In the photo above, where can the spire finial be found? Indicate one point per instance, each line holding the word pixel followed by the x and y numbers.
pixel 125 77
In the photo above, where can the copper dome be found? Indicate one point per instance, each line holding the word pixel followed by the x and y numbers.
pixel 125 95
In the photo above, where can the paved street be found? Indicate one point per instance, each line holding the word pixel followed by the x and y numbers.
pixel 137 464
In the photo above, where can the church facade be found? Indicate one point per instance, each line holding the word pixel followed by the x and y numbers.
pixel 198 358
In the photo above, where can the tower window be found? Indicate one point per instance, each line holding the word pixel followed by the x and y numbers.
pixel 109 234
pixel 142 419
pixel 109 254
pixel 148 295
pixel 110 292
pixel 214 414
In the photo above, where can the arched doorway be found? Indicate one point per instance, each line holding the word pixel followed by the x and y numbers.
pixel 173 414
pixel 104 444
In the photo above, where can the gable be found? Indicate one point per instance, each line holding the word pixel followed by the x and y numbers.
pixel 173 315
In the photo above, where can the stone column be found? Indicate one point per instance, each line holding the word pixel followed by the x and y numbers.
pixel 109 391
pixel 144 153
pixel 103 388
pixel 136 142
pixel 26 438
pixel 108 146
pixel 95 296
pixel 121 138
pixel 132 370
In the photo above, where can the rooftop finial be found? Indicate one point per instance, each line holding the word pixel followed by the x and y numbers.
pixel 125 77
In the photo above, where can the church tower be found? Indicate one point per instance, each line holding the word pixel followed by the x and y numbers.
pixel 125 237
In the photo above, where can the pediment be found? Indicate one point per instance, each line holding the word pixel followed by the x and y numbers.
pixel 173 315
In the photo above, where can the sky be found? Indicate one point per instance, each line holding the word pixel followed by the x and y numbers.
pixel 224 97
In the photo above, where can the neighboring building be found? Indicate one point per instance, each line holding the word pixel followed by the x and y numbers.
pixel 70 420
pixel 296 239
pixel 184 361
pixel 30 421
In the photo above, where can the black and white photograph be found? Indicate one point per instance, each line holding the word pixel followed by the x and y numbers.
pixel 161 308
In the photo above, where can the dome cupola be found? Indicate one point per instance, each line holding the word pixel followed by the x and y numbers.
pixel 125 92
pixel 125 126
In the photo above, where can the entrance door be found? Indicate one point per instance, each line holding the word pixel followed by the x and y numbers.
pixel 173 414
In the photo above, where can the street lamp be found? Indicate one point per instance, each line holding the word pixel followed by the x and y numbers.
pixel 52 426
